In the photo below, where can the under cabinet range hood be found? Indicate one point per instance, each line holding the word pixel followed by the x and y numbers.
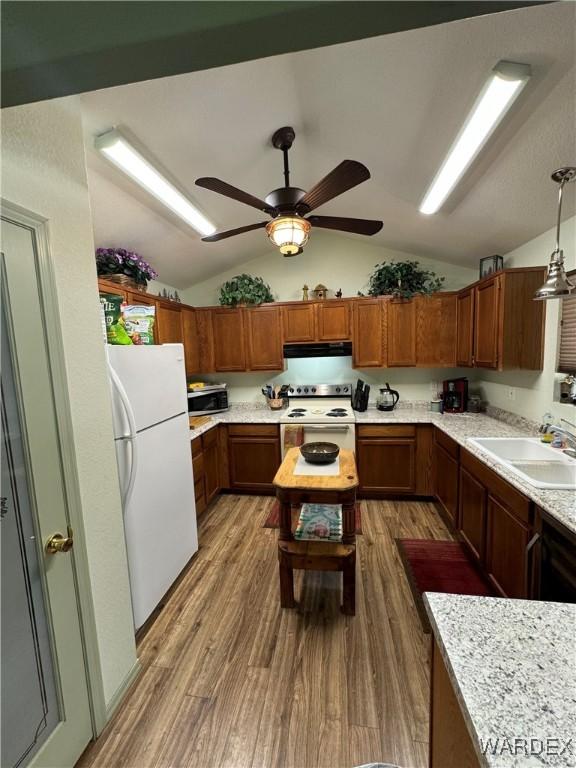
pixel 319 349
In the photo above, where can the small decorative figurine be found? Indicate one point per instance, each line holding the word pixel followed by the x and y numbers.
pixel 339 293
pixel 304 292
pixel 176 297
pixel 320 291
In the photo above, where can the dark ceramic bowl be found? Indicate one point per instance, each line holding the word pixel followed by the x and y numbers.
pixel 320 453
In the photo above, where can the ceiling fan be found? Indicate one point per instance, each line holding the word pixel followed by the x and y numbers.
pixel 289 206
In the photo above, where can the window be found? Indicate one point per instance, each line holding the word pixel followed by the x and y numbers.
pixel 567 358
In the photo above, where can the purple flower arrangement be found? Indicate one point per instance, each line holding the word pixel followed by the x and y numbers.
pixel 119 261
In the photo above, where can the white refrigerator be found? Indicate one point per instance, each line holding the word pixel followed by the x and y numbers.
pixel 152 439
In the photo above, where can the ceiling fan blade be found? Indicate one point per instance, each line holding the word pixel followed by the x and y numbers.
pixel 216 185
pixel 358 226
pixel 345 176
pixel 231 232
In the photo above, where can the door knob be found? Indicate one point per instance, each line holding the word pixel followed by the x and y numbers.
pixel 58 543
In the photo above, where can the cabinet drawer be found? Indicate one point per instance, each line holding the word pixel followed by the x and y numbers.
pixel 198 467
pixel 209 438
pixel 196 446
pixel 519 504
pixel 449 445
pixel 253 430
pixel 387 430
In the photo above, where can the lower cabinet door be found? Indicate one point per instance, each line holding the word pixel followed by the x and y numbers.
pixel 211 474
pixel 446 482
pixel 507 551
pixel 387 465
pixel 472 518
pixel 253 462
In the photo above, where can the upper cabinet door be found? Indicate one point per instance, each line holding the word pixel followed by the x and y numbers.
pixel 486 323
pixel 367 337
pixel 191 340
pixel 334 320
pixel 168 324
pixel 401 332
pixel 299 321
pixel 465 328
pixel 264 332
pixel 229 345
pixel 436 330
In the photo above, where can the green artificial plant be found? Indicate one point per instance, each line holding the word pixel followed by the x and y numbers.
pixel 245 289
pixel 403 279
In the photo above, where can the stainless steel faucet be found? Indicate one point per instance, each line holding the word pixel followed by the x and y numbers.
pixel 570 436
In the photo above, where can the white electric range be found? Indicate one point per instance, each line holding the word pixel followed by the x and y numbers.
pixel 324 411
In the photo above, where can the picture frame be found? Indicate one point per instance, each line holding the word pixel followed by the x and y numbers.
pixel 490 264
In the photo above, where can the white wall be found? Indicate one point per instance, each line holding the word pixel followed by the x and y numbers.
pixel 334 260
pixel 44 171
pixel 536 392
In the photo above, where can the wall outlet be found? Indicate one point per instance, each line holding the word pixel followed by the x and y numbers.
pixel 511 393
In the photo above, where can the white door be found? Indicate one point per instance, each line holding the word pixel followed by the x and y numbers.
pixel 45 709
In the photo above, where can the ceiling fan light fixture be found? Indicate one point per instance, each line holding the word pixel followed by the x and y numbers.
pixel 289 234
pixel 501 90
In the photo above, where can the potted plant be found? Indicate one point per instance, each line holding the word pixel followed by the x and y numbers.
pixel 125 267
pixel 403 279
pixel 245 289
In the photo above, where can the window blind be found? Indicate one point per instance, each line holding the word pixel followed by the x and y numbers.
pixel 567 359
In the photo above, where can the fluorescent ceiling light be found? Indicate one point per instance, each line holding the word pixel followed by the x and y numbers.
pixel 501 90
pixel 120 152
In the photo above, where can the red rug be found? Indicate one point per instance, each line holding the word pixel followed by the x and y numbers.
pixel 440 566
pixel 273 519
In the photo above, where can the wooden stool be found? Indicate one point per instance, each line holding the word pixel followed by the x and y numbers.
pixel 294 490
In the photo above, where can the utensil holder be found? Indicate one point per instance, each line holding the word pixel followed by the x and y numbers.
pixel 275 404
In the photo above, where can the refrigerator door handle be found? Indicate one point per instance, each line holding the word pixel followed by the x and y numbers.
pixel 130 438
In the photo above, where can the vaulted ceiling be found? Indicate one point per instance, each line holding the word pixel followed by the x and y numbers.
pixel 393 102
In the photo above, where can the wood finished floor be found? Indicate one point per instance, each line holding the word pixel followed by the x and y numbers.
pixel 230 680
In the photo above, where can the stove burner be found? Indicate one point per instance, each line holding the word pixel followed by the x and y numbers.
pixel 295 415
pixel 298 410
pixel 337 413
pixel 338 410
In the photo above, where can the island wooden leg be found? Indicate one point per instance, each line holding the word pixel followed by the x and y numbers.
pixel 285 514
pixel 349 521
pixel 349 585
pixel 286 581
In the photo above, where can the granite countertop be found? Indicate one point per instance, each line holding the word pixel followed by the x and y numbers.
pixel 512 667
pixel 560 505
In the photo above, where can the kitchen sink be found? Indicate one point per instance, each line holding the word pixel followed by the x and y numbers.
pixel 538 464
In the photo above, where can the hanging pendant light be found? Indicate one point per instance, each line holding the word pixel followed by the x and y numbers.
pixel 557 283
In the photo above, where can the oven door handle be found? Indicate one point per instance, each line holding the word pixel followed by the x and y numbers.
pixel 326 428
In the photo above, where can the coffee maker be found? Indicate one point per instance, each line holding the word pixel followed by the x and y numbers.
pixel 455 395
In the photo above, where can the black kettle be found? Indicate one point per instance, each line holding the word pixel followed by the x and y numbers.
pixel 387 399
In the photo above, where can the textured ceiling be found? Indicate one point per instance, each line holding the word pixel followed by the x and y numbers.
pixel 393 102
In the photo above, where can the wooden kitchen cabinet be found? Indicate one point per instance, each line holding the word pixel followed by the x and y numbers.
pixel 229 339
pixel 299 322
pixel 264 339
pixel 446 471
pixel 205 340
pixel 168 323
pixel 334 320
pixel 190 340
pixel 367 334
pixel 401 332
pixel 211 461
pixel 465 328
pixel 507 555
pixel 500 326
pixel 253 457
pixel 386 459
pixel 486 323
pixel 472 514
pixel 436 330
pixel 198 474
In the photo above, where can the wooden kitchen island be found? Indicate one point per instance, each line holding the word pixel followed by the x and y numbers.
pixel 294 490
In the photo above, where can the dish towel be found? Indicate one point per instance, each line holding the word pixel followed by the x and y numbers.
pixel 319 522
pixel 293 436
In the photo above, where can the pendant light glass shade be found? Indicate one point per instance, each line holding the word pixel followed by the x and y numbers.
pixel 289 233
pixel 557 283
